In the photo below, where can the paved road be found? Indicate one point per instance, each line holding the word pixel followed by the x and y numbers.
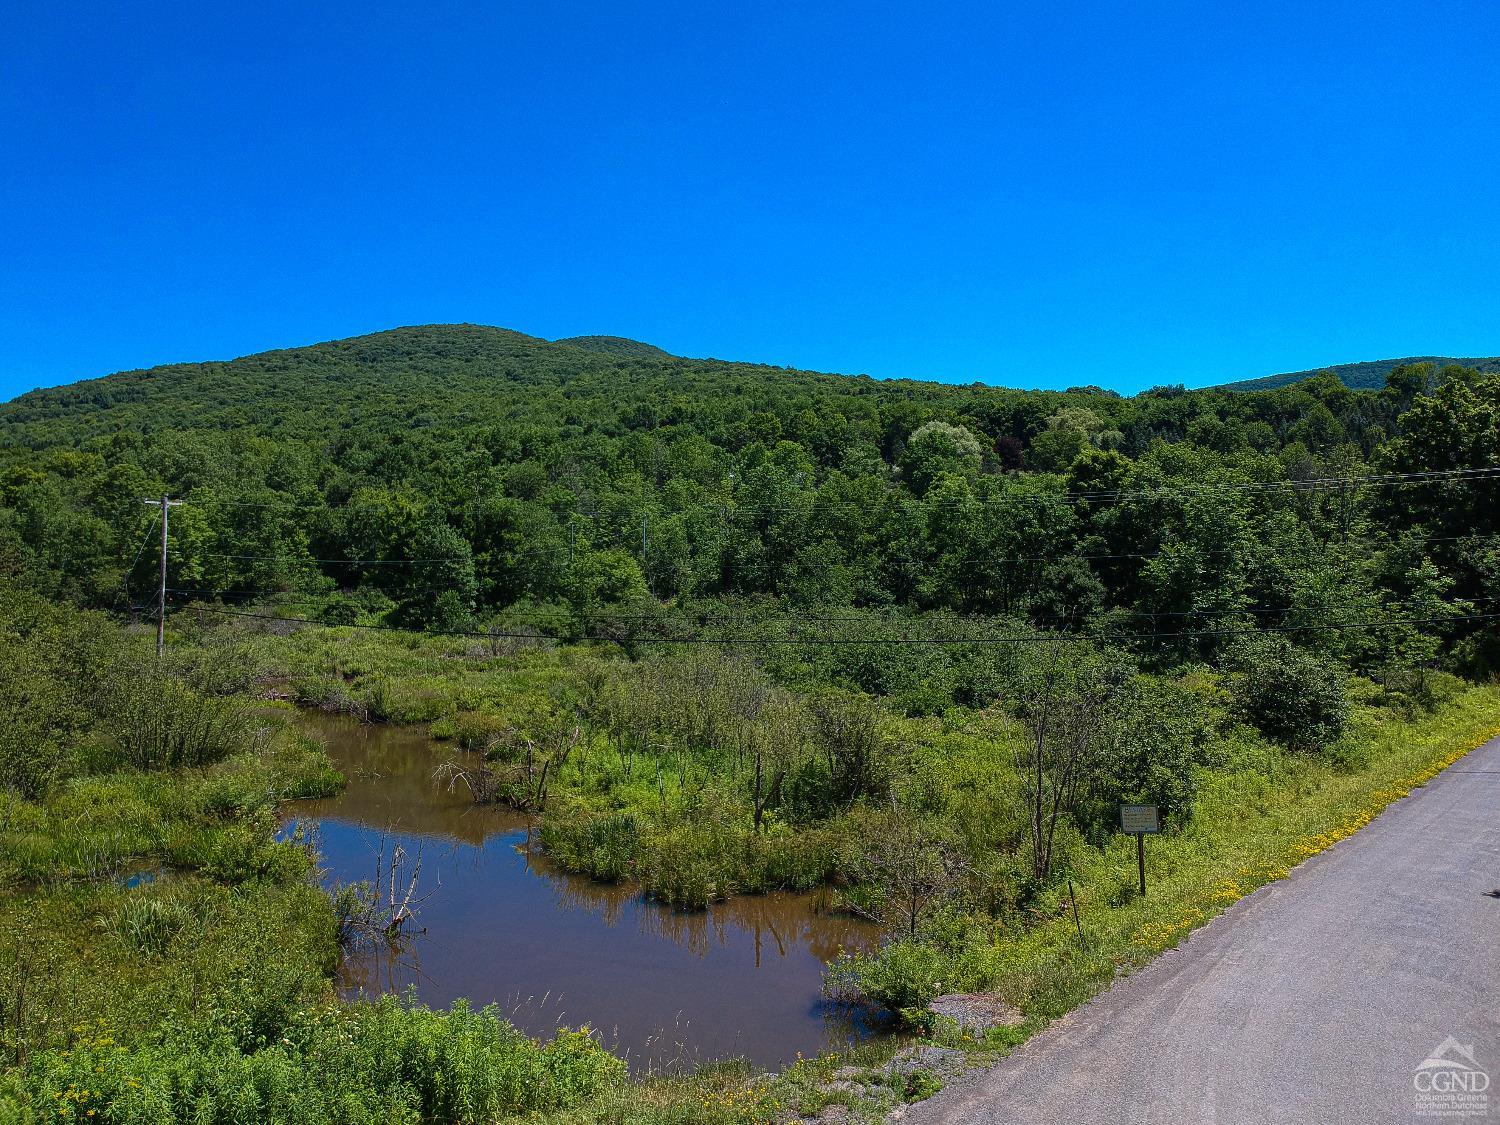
pixel 1313 1000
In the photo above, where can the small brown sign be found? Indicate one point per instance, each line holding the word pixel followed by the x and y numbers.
pixel 1140 820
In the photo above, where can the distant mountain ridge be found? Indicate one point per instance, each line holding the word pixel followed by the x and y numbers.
pixel 1366 376
pixel 432 372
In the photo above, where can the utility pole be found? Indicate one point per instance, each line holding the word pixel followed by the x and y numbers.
pixel 645 566
pixel 167 503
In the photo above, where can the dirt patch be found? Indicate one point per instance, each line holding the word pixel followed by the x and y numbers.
pixel 977 1011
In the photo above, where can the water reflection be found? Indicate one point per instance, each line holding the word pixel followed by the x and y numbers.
pixel 502 925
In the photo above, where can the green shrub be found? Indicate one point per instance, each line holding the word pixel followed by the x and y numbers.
pixel 390 1061
pixel 475 730
pixel 340 609
pixel 1287 694
pixel 58 663
pixel 902 976
pixel 379 700
pixel 327 693
pixel 1151 755
pixel 235 853
pixel 796 861
pixel 233 794
pixel 918 1085
pixel 159 723
pixel 403 701
pixel 699 854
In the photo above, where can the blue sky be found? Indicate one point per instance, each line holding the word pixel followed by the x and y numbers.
pixel 1025 194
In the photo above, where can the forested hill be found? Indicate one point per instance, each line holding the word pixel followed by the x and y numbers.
pixel 454 476
pixel 1366 376
pixel 413 377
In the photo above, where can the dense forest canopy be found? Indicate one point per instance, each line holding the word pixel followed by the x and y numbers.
pixel 464 477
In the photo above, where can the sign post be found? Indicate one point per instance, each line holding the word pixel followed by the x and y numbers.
pixel 1139 821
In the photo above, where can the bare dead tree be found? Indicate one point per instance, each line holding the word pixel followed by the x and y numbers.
pixel 523 784
pixel 386 905
pixel 475 775
pixel 1063 705
pixel 401 897
pixel 916 868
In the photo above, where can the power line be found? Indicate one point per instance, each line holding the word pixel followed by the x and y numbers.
pixel 1396 539
pixel 610 540
pixel 338 561
pixel 392 561
pixel 141 550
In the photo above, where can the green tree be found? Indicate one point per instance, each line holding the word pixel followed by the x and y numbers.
pixel 936 448
pixel 1288 694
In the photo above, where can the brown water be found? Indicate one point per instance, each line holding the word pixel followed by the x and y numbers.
pixel 502 925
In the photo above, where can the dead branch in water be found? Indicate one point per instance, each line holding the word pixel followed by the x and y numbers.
pixel 522 783
pixel 386 905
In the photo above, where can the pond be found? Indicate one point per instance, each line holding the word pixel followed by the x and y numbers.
pixel 501 925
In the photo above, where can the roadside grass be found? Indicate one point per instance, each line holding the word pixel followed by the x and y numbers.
pixel 1257 817
pixel 389 1062
pixel 733 1093
pixel 1249 828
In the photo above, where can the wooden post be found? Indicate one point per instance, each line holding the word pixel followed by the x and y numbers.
pixel 1137 820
